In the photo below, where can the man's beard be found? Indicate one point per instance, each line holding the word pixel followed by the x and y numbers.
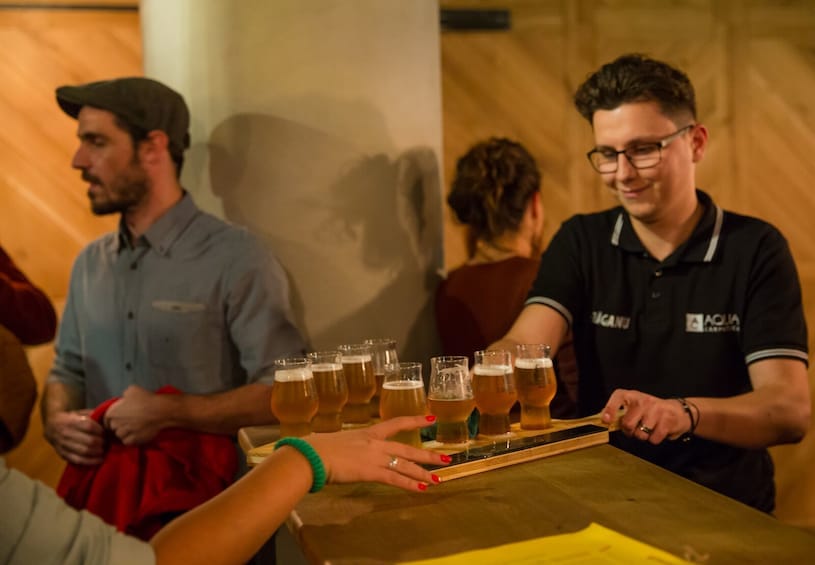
pixel 125 191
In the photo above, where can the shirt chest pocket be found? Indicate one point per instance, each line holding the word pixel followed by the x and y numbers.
pixel 180 334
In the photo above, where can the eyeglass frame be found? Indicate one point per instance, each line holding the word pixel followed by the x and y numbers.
pixel 659 144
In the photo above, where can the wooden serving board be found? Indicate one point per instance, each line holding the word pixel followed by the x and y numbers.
pixel 519 447
pixel 478 455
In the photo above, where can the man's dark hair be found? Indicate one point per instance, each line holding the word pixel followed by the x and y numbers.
pixel 139 134
pixel 637 78
pixel 493 183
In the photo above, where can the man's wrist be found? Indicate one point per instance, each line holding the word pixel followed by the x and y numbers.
pixel 693 420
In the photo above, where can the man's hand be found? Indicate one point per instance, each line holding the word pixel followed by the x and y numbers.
pixel 137 416
pixel 646 417
pixel 76 437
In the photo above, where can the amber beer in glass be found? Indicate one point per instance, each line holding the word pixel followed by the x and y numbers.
pixel 332 390
pixel 383 353
pixel 403 395
pixel 294 396
pixel 357 364
pixel 535 379
pixel 494 391
pixel 450 398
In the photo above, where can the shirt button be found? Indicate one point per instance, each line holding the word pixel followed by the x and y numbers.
pixel 656 294
pixel 658 273
pixel 130 315
pixel 128 366
pixel 133 266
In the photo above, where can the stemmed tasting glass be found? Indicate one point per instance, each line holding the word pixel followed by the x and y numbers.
pixel 450 398
pixel 403 395
pixel 294 396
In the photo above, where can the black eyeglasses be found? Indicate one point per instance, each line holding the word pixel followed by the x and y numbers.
pixel 643 156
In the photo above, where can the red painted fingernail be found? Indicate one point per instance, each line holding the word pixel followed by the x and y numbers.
pixel 422 486
pixel 446 458
pixel 431 418
pixel 435 478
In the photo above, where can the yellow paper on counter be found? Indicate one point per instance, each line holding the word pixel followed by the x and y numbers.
pixel 591 546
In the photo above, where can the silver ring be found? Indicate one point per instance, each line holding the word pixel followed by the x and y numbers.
pixel 392 464
pixel 645 429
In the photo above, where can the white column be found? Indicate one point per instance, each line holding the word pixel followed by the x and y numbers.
pixel 317 124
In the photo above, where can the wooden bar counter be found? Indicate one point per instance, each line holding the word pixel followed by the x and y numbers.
pixel 372 524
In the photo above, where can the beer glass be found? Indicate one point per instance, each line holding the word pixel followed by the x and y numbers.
pixel 403 395
pixel 383 352
pixel 494 391
pixel 294 396
pixel 332 390
pixel 357 364
pixel 450 397
pixel 535 379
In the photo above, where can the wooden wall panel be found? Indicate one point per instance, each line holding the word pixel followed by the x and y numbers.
pixel 44 213
pixel 753 65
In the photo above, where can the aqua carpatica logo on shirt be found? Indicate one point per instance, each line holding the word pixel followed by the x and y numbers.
pixel 712 323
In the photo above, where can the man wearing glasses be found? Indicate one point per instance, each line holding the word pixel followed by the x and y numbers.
pixel 686 316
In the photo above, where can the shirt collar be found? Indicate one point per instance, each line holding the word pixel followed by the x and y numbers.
pixel 701 246
pixel 165 231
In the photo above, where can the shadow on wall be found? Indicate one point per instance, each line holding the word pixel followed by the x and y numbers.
pixel 360 235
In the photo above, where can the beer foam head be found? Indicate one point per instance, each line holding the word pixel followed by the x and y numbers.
pixel 326 367
pixel 543 362
pixel 402 385
pixel 356 358
pixel 289 375
pixel 492 370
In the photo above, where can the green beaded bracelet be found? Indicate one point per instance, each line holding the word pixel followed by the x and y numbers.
pixel 304 447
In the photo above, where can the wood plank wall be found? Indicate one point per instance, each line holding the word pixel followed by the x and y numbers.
pixel 751 61
pixel 753 65
pixel 44 213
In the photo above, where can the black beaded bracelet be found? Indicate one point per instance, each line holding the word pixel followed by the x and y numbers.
pixel 686 406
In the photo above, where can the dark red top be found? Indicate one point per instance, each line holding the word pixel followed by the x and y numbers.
pixel 24 309
pixel 477 304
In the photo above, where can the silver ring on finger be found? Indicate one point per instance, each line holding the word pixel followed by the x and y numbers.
pixel 393 462
pixel 645 429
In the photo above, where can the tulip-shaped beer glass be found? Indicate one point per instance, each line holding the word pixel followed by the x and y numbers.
pixel 450 398
pixel 358 367
pixel 535 379
pixel 332 390
pixel 294 396
pixel 383 353
pixel 403 395
pixel 494 391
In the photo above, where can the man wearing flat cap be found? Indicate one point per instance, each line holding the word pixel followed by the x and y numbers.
pixel 174 297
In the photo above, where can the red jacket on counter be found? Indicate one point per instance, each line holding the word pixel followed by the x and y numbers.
pixel 139 488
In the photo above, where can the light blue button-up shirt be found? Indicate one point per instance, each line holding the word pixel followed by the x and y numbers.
pixel 195 303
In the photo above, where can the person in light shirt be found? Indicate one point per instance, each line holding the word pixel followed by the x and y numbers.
pixel 174 297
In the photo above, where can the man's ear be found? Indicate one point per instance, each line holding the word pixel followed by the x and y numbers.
pixel 699 142
pixel 153 147
pixel 536 204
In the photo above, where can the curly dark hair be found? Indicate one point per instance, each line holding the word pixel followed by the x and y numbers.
pixel 637 78
pixel 493 183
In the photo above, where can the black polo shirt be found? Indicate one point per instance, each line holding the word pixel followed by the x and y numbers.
pixel 686 326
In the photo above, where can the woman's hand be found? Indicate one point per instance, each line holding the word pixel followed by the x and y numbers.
pixel 366 455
